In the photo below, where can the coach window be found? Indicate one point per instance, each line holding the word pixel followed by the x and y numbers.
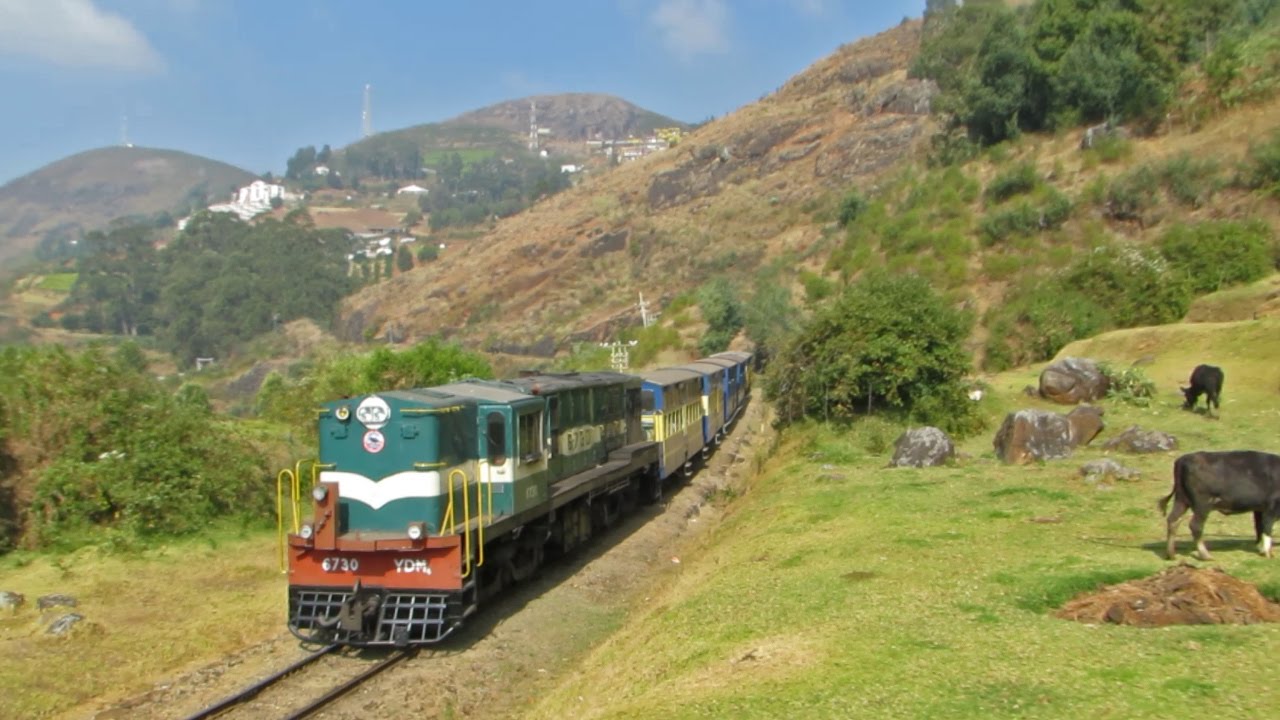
pixel 497 438
pixel 528 438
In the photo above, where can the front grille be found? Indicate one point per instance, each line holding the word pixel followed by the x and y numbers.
pixel 411 618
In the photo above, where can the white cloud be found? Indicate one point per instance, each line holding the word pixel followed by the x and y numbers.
pixel 693 27
pixel 73 33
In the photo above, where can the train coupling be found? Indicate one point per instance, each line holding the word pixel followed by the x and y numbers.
pixel 358 614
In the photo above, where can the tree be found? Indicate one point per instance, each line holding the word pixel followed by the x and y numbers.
pixel 888 343
pixel 404 259
pixel 723 313
pixel 118 280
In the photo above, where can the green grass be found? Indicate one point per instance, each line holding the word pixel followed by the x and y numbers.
pixel 904 593
pixel 148 614
pixel 58 282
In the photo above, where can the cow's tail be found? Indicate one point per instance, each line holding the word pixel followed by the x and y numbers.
pixel 1179 483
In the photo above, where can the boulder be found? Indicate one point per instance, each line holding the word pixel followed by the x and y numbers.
pixel 1073 380
pixel 45 602
pixel 63 625
pixel 1137 440
pixel 922 447
pixel 1086 422
pixel 11 601
pixel 1107 469
pixel 1028 435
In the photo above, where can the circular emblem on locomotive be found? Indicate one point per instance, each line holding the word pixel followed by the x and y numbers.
pixel 373 412
pixel 374 441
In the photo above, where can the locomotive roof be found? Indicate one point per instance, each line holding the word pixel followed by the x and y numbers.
pixel 491 390
pixel 734 355
pixel 556 382
pixel 670 376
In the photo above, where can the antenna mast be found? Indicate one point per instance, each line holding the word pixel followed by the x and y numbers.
pixel 533 125
pixel 366 117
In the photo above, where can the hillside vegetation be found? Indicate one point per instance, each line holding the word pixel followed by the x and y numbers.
pixel 867 160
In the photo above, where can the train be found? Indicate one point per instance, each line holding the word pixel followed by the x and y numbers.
pixel 425 503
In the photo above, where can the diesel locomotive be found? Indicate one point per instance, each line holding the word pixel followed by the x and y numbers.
pixel 426 502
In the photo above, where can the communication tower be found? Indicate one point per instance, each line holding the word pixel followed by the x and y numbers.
pixel 366 117
pixel 533 125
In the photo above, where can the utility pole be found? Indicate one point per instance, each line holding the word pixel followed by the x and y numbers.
pixel 647 318
pixel 619 354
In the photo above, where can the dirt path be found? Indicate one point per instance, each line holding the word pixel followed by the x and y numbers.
pixel 513 649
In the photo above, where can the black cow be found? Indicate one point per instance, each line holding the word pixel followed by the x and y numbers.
pixel 1205 380
pixel 1237 481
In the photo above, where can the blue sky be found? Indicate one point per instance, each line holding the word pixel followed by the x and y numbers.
pixel 250 82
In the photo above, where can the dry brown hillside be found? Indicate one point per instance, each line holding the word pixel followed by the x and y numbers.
pixel 736 194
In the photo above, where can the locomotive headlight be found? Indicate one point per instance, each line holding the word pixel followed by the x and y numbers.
pixel 417 530
pixel 343 413
pixel 320 492
pixel 306 532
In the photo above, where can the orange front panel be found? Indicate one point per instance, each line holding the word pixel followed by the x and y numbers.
pixel 434 567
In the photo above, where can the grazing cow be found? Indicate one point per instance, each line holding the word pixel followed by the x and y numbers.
pixel 1205 380
pixel 1237 481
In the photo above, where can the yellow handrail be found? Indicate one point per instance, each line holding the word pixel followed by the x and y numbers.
pixel 281 479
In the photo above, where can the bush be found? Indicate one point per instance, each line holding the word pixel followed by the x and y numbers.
pixel 1135 285
pixel 851 208
pixel 1262 170
pixel 888 343
pixel 1130 385
pixel 1190 182
pixel 104 446
pixel 1019 180
pixel 1215 254
pixel 1132 193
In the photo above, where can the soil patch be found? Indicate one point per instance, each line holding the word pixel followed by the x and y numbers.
pixel 1182 595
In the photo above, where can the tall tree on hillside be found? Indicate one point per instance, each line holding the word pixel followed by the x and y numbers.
pixel 118 280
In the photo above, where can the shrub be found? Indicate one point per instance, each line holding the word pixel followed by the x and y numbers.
pixel 1130 194
pixel 1216 254
pixel 851 208
pixel 1018 180
pixel 1130 385
pixel 1134 283
pixel 888 343
pixel 1190 182
pixel 1262 170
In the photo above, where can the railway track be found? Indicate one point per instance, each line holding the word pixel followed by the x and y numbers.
pixel 243 698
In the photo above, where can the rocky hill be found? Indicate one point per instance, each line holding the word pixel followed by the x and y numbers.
pixel 570 117
pixel 87 190
pixel 733 196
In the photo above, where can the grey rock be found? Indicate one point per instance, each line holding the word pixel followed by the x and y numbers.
pixel 1137 440
pixel 47 601
pixel 11 601
pixel 922 447
pixel 1073 380
pixel 1107 469
pixel 63 625
pixel 1030 435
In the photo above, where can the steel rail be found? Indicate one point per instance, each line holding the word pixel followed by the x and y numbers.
pixel 351 684
pixel 250 692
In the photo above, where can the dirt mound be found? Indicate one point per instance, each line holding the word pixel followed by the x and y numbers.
pixel 1182 595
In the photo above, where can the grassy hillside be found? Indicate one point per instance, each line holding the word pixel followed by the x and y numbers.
pixel 758 196
pixel 88 190
pixel 839 588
